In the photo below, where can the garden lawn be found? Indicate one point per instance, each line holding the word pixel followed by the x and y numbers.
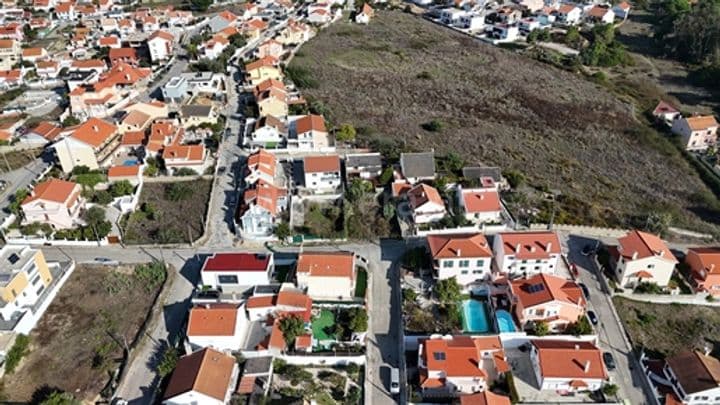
pixel 326 320
pixel 361 283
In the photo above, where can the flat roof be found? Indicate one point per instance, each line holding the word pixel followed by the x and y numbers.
pixel 12 260
pixel 237 262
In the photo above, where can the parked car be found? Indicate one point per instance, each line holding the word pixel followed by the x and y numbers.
pixel 394 381
pixel 585 290
pixel 609 361
pixel 592 317
pixel 3 185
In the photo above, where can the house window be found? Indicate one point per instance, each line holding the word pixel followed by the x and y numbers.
pixel 464 263
pixel 651 266
pixel 522 267
pixel 36 279
pixel 477 272
pixel 40 290
pixel 448 264
pixel 538 261
pixel 227 279
pixel 524 261
pixel 480 263
pixel 463 272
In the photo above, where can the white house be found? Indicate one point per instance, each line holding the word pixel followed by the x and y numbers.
pixel 468 258
pixel 287 300
pixel 205 377
pixel 450 16
pixel 572 366
pixel 160 44
pixel 480 205
pixel 220 326
pixel 363 17
pixel 694 377
pixel 425 204
pixel 600 14
pixel 308 132
pixel 569 14
pixel 322 173
pixel 643 257
pixel 698 132
pixel 327 276
pixel 54 202
pixel 528 24
pixel 228 271
pixel 269 132
pixel 505 32
pixel 526 253
pixel 261 206
pixel 471 21
pixel 622 10
pixel 666 113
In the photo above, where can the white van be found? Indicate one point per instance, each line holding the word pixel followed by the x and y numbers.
pixel 394 381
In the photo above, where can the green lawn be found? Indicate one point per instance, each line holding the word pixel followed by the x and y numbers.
pixel 361 284
pixel 322 325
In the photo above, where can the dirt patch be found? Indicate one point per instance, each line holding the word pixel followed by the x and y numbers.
pixel 666 329
pixel 71 347
pixel 18 158
pixel 561 131
pixel 162 220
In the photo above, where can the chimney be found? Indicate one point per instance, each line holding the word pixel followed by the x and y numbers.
pixel 706 350
pixel 548 247
pixel 459 252
pixel 635 254
pixel 587 366
pixel 532 248
pixel 712 267
pixel 95 128
pixel 577 346
pixel 661 253
pixel 207 306
pixel 517 248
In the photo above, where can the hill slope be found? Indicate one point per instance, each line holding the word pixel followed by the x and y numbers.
pixel 561 131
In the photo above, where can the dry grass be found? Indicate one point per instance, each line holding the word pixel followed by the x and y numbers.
pixel 76 327
pixel 561 131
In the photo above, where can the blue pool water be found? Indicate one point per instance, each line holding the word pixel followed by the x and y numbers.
pixel 505 321
pixel 130 162
pixel 475 318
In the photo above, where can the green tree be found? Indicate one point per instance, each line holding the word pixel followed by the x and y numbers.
pixel 237 40
pixel 291 327
pixel 282 230
pixel 201 5
pixel 386 176
pixel 610 390
pixel 358 188
pixel 70 121
pixel 102 197
pixel 514 178
pixel 19 349
pixel 168 362
pixel 572 36
pixel 448 290
pixel 94 215
pixel 358 320
pixel 20 195
pixel 696 34
pixel 346 133
pixel 151 275
pixel 121 188
pixel 540 328
pixel 60 398
pixel 580 327
pixel 454 163
pixel 178 191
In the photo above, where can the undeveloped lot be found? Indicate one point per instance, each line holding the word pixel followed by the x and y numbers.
pixel 665 329
pixel 167 216
pixel 560 131
pixel 75 344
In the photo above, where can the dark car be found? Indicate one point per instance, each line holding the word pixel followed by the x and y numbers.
pixel 221 169
pixel 592 317
pixel 585 290
pixel 609 361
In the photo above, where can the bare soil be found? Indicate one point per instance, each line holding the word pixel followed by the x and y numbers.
pixel 560 130
pixel 76 328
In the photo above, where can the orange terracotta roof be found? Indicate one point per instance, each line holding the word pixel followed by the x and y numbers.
pixel 256 24
pixel 261 301
pixel 624 6
pixel 400 188
pixel 268 84
pixel 262 161
pixel 309 123
pixel 481 201
pixel 486 397
pixel 5 135
pixel 644 245
pixel 327 264
pixel 532 245
pixel 94 132
pixel 7 43
pixel 705 259
pixel 137 118
pixel 321 164
pixel 108 41
pixel 422 194
pixel 456 357
pixel 543 288
pixel 303 341
pixel 567 359
pixel 459 245
pixel 207 371
pixel 185 152
pixel 701 122
pixel 123 171
pixel 598 12
pixel 56 190
pixel 162 35
pixel 228 16
pixel 30 52
pixel 122 53
pixel 11 75
pixel 215 320
pixel 88 63
pixel 246 385
pixel 46 64
pixel 133 138
pixel 566 8
pixel 267 61
pixel 47 130
pixel 265 195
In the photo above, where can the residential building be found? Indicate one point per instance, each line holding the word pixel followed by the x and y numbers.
pixel 41 134
pixel 221 326
pixel 205 377
pixel 134 121
pixel 480 205
pixel 365 166
pixel 294 33
pixel 467 257
pixel 457 365
pixel 270 48
pixel 260 209
pixel 24 276
pixel 47 69
pixel 261 166
pixel 526 253
pixel 112 91
pixel 131 173
pixel 228 271
pixel 571 366
pixel 319 16
pixel 666 113
pixel 425 203
pixel 272 101
pixel 257 374
pixel 54 202
pixel 417 167
pixel 569 14
pixel 33 55
pixel 194 115
pixel 191 157
pixel 546 298
pixel 486 397
pixel 697 132
pixel 270 132
pixel 65 11
pixel 327 276
pixel 471 21
pixel 90 144
pixel 286 301
pixel 622 10
pixel 308 133
pixel 222 20
pixel 213 47
pixel 160 44
pixel 694 377
pixel 451 15
pixel 600 14
pixel 261 70
pixel 704 264
pixel 322 173
pixel 642 257
pixel 9 53
pixel 123 55
pixel 366 12
pixel 189 84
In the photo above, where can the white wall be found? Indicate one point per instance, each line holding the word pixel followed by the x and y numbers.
pixel 477 268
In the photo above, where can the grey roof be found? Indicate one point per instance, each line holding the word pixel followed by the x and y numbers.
pixel 257 365
pixel 363 160
pixel 195 110
pixel 418 164
pixel 477 172
pixel 267 289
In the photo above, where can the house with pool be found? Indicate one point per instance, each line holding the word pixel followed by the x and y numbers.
pixel 467 257
pixel 526 253
pixel 456 365
pixel 546 298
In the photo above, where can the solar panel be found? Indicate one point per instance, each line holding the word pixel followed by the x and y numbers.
pixel 536 288
pixel 13 258
pixel 439 355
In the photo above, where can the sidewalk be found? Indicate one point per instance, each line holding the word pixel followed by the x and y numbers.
pixel 694 299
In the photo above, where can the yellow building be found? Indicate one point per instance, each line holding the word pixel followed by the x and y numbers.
pixel 24 276
pixel 261 70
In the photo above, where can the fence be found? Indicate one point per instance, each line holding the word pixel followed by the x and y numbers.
pixel 43 240
pixel 583 230
pixel 323 360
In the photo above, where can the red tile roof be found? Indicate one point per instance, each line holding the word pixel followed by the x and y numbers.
pixel 327 264
pixel 543 288
pixel 321 164
pixel 309 123
pixel 237 262
pixel 701 122
pixel 644 245
pixel 213 320
pixel 486 397
pixel 207 371
pixel 567 359
pixel 458 245
pixel 267 61
pixel 94 132
pixel 460 356
pixel 481 201
pixel 47 130
pixel 532 245
pixel 55 190
pixel 123 171
pixel 664 108
pixel 422 194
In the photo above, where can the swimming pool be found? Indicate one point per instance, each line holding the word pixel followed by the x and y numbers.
pixel 505 321
pixel 475 316
pixel 130 162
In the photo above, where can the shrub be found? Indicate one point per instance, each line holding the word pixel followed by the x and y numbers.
pixel 424 75
pixel 185 171
pixel 168 362
pixel 178 191
pixel 18 350
pixel 301 77
pixel 60 398
pixel 345 133
pixel 121 188
pixel 102 197
pixel 433 126
pixel 514 178
pixel 150 275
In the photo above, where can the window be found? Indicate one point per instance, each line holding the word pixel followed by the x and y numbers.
pixel 524 261
pixel 537 267
pixel 480 263
pixel 477 272
pixel 651 266
pixel 227 279
pixel 463 272
pixel 538 261
pixel 464 263
pixel 40 290
pixel 448 264
pixel 522 267
pixel 36 279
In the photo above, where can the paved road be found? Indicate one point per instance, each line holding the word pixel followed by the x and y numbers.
pixel 611 334
pixel 18 179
